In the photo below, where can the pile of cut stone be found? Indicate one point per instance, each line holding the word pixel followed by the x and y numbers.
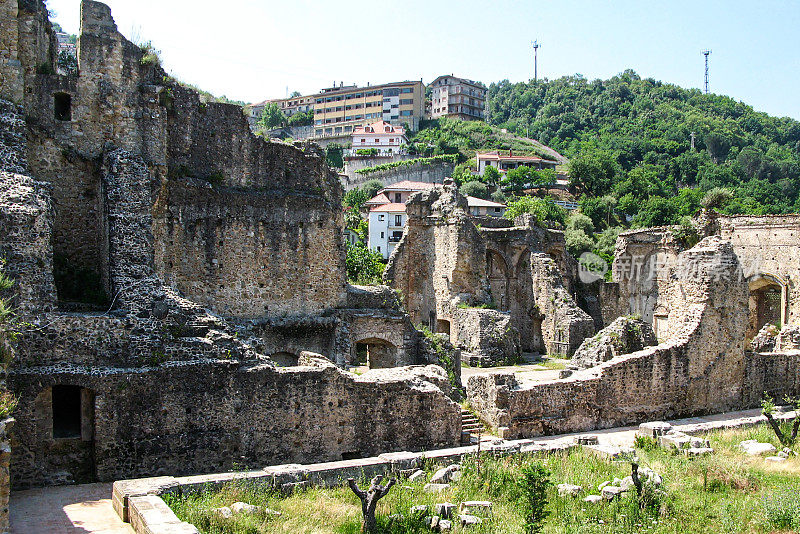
pixel 443 515
pixel 612 489
pixel 671 439
pixel 752 447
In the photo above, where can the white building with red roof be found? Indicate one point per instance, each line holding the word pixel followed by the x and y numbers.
pixel 382 136
pixel 387 213
pixel 504 161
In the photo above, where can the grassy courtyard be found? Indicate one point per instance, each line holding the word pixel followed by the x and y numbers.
pixel 725 492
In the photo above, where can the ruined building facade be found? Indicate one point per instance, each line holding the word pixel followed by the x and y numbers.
pixel 497 288
pixel 183 281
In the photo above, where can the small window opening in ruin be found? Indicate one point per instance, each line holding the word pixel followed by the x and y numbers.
pixel 66 412
pixel 284 359
pixel 443 326
pixel 62 104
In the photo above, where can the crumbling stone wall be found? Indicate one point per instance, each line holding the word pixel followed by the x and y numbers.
pixel 170 200
pixel 699 368
pixel 623 336
pixel 444 261
pixel 210 416
pixel 487 337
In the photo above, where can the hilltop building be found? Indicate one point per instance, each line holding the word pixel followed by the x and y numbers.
pixel 504 162
pixel 339 110
pixel 381 135
pixel 457 97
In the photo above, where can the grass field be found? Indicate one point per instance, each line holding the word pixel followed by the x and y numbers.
pixel 725 492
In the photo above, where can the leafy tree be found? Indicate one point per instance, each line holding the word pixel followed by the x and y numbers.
pixel 355 198
pixel 271 117
pixel 334 155
pixel 463 173
pixel 491 175
pixel 68 62
pixel 577 241
pixel 544 210
pixel 372 187
pixel 294 94
pixel 579 221
pixel 364 266
pixel 593 172
pixel 474 189
pixel 304 118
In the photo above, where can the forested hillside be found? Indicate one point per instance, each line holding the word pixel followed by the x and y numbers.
pixel 629 140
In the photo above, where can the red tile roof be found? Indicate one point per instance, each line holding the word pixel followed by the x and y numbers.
pixel 379 128
pixel 499 156
pixel 408 185
pixel 390 207
pixel 378 199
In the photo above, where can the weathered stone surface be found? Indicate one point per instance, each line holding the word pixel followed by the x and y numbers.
pixel 611 492
pixel 699 368
pixel 755 448
pixel 416 475
pixel 445 267
pixel 593 499
pixel 444 509
pixel 623 336
pixel 444 475
pixel 653 429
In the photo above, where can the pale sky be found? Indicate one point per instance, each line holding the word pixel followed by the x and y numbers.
pixel 252 51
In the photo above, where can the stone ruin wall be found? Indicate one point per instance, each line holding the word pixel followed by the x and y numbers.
pixel 212 416
pixel 699 368
pixel 444 266
pixel 148 175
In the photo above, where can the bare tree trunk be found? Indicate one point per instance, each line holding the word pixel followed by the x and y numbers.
pixel 795 428
pixel 635 476
pixel 369 500
pixel 776 428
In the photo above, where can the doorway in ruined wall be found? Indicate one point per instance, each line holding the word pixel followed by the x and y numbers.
pixel 767 303
pixel 65 416
pixel 376 353
pixel 524 312
pixel 443 327
pixel 498 279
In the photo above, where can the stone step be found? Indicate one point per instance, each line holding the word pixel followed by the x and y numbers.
pixel 471 428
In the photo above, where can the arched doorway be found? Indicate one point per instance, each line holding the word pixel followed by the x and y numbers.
pixel 768 298
pixel 376 353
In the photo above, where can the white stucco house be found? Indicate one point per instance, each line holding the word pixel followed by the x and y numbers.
pixel 381 135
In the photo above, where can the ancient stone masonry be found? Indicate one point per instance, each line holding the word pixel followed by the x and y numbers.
pixel 447 270
pixel 698 368
pixel 623 336
pixel 213 257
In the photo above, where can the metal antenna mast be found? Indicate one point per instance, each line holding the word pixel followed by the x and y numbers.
pixel 706 53
pixel 535 45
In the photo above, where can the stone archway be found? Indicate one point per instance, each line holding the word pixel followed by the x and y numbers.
pixel 376 353
pixel 768 301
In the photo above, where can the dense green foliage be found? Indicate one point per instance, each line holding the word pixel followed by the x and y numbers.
pixel 334 155
pixel 630 138
pixel 304 118
pixel 465 138
pixel 474 188
pixel 364 266
pixel 450 158
pixel 272 117
pixel 544 210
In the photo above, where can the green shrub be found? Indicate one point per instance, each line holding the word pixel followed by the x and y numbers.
pixel 782 509
pixel 474 189
pixel 364 266
pixel 449 158
pixel 533 484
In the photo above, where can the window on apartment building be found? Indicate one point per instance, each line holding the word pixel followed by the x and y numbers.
pixel 377 140
pixel 407 113
pixel 318 133
pixel 348 128
pixel 407 90
pixel 379 248
pixel 406 101
pixel 381 217
pixel 382 233
pixel 398 220
pixel 363 140
pixel 398 198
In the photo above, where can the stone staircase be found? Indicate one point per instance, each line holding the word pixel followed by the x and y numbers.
pixel 470 428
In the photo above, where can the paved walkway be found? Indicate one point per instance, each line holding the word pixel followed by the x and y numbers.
pixel 87 508
pixel 67 509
